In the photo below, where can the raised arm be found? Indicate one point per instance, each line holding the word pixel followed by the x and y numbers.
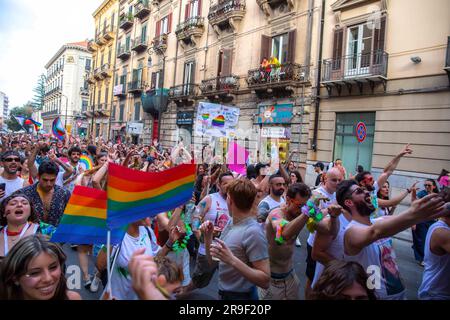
pixel 427 208
pixel 31 160
pixel 99 175
pixel 392 165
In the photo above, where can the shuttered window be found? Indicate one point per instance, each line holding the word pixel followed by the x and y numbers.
pixel 337 48
pixel 291 46
pixel 265 47
pixel 379 41
pixel 226 62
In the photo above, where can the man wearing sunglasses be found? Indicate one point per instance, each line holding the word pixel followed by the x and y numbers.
pixel 12 182
pixel 368 242
pixel 366 180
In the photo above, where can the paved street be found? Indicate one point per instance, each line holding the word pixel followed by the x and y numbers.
pixel 409 269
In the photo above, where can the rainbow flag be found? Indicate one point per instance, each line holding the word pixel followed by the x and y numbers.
pixel 37 125
pixel 134 195
pixel 86 162
pixel 84 219
pixel 58 129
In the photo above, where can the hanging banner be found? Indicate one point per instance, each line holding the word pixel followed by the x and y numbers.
pixel 216 120
pixel 274 132
pixel 275 113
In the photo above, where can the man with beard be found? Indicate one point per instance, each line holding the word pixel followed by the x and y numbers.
pixel 282 226
pixel 275 198
pixel 366 180
pixel 74 160
pixel 11 164
pixel 368 241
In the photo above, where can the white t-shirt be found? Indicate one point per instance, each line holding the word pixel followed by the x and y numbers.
pixel 436 276
pixel 218 214
pixel 378 258
pixel 321 192
pixel 11 186
pixel 120 277
pixel 268 204
pixel 336 248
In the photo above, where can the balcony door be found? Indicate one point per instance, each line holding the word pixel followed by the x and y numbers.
pixel 359 49
pixel 189 72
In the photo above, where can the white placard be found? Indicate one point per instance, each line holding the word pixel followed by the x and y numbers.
pixel 273 132
pixel 135 128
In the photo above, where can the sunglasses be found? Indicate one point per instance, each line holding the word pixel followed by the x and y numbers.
pixel 428 185
pixel 357 191
pixel 12 159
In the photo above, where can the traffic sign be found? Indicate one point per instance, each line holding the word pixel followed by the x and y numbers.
pixel 361 132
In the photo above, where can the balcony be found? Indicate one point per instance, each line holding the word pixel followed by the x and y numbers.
pixel 120 90
pixel 159 44
pixel 84 91
pixel 370 68
pixel 278 82
pixel 125 21
pixel 184 94
pixel 98 74
pixel 106 70
pixel 141 9
pixel 50 113
pixel 123 52
pixel 139 44
pixel 92 46
pixel 268 6
pixel 135 86
pixel 226 14
pixel 189 30
pixel 90 77
pixel 220 87
pixel 99 40
pixel 108 33
pixel 52 91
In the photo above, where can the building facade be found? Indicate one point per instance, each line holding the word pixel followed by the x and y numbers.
pixel 103 49
pixel 387 70
pixel 65 87
pixel 4 108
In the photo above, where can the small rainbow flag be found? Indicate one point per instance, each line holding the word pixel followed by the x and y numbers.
pixel 134 195
pixel 37 125
pixel 58 129
pixel 84 219
pixel 86 162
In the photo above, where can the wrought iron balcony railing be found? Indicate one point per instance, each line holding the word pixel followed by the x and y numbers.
pixel 194 22
pixel 106 70
pixel 274 75
pixel 159 44
pixel 120 90
pixel 184 91
pixel 223 8
pixel 142 9
pixel 125 21
pixel 220 84
pixel 135 86
pixel 123 52
pixel 108 32
pixel 139 44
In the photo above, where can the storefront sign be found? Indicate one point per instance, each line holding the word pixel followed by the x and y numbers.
pixel 276 113
pixel 185 118
pixel 274 132
pixel 135 127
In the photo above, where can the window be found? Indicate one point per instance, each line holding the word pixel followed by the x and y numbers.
pixel 189 73
pixel 106 97
pixel 121 111
pixel 137 111
pixel 130 10
pixel 144 33
pixel 280 47
pixel 164 25
pixel 109 55
pixel 112 20
pixel 127 42
pixel 155 80
pixel 88 64
pixel 346 146
pixel 84 105
pixel 193 9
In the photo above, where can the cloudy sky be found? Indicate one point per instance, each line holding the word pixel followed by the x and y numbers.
pixel 31 32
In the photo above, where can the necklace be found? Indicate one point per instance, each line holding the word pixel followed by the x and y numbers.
pixel 5 237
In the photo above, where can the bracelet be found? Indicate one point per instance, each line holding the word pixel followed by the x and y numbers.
pixel 278 237
pixel 169 244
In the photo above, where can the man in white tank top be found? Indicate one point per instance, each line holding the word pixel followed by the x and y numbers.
pixel 274 199
pixel 367 242
pixel 436 276
pixel 212 208
pixel 11 164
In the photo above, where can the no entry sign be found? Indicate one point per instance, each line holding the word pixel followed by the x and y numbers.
pixel 361 132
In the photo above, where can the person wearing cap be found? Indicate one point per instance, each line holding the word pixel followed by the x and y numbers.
pixel 318 168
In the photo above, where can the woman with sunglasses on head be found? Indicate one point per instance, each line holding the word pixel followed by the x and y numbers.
pixel 18 220
pixel 33 270
pixel 419 231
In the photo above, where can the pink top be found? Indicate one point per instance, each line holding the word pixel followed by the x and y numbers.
pixel 444 181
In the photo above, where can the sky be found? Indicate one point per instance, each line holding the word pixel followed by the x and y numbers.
pixel 31 32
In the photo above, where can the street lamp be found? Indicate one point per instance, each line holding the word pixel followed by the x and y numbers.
pixel 150 51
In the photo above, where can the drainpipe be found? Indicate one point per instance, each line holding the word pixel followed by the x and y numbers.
pixel 319 75
pixel 114 74
pixel 176 49
pixel 206 45
pixel 309 36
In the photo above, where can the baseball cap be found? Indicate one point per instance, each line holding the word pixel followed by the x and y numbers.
pixel 320 165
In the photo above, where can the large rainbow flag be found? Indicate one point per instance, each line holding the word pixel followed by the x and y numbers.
pixel 84 219
pixel 58 129
pixel 37 125
pixel 134 195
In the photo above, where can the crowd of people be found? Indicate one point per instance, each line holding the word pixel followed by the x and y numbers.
pixel 244 227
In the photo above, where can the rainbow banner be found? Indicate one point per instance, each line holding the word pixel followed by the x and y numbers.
pixel 84 219
pixel 134 195
pixel 86 162
pixel 58 129
pixel 37 125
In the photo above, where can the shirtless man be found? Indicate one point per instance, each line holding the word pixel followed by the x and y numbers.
pixel 283 225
